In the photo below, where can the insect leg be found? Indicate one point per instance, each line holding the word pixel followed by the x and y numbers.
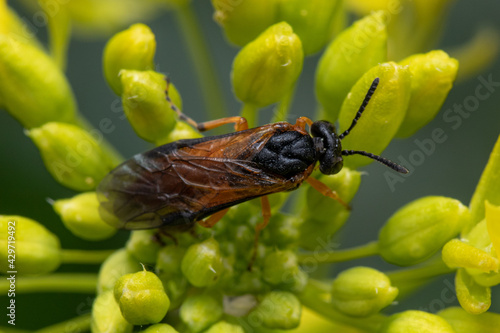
pixel 240 123
pixel 302 122
pixel 326 191
pixel 266 214
pixel 213 219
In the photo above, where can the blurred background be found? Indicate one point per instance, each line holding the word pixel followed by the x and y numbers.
pixel 452 170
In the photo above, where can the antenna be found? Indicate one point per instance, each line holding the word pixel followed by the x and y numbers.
pixel 394 166
pixel 368 96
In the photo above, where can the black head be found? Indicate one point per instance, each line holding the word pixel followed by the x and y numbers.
pixel 328 143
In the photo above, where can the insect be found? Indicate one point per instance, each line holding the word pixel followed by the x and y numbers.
pixel 186 181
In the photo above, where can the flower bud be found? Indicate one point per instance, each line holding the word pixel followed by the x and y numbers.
pixel 32 88
pixel 282 231
pixel 243 21
pixel 80 215
pixel 352 53
pixel 383 115
pixel 202 264
pixel 487 188
pixel 143 245
pixel 36 249
pixel 473 298
pixel 281 269
pixel 116 265
pixel 145 105
pixel 419 229
pixel 362 292
pixel 492 213
pixel 415 321
pixel 200 311
pixel 459 254
pixel 464 322
pixel 160 328
pixel 181 131
pixel 432 76
pixel 345 184
pixel 267 68
pixel 71 155
pixel 141 298
pixel 225 327
pixel 168 269
pixel 277 310
pixel 133 48
pixel 312 21
pixel 106 316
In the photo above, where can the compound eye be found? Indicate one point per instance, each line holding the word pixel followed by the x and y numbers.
pixel 331 167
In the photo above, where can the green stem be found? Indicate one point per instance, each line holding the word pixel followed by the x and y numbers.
pixel 251 114
pixel 366 250
pixel 205 69
pixel 59 282
pixel 59 35
pixel 78 324
pixel 85 256
pixel 316 297
pixel 428 271
pixel 283 108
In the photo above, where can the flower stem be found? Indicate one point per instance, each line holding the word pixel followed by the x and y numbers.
pixel 251 114
pixel 316 297
pixel 205 69
pixel 85 256
pixel 78 324
pixel 59 282
pixel 366 250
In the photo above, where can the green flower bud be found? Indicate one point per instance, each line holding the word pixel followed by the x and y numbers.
pixel 347 58
pixel 282 231
pixel 243 21
pixel 116 265
pixel 459 254
pixel 281 269
pixel 277 310
pixel 36 249
pixel 415 321
pixel 160 328
pixel 133 48
pixel 71 155
pixel 32 87
pixel 106 316
pixel 464 322
pixel 200 311
pixel 419 229
pixel 181 131
pixel 487 188
pixel 141 298
pixel 362 292
pixel 202 264
pixel 80 215
pixel 318 206
pixel 11 24
pixel 225 327
pixel 168 269
pixel 473 298
pixel 145 104
pixel 383 115
pixel 267 68
pixel 143 245
pixel 313 21
pixel 433 75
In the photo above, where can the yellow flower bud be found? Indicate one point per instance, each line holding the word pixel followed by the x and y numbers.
pixel 32 87
pixel 416 321
pixel 106 316
pixel 27 247
pixel 71 155
pixel 432 76
pixel 266 69
pixel 200 311
pixel 182 130
pixel 473 298
pixel 133 48
pixel 347 58
pixel 383 115
pixel 464 322
pixel 244 20
pixel 160 328
pixel 459 254
pixel 116 265
pixel 80 215
pixel 145 104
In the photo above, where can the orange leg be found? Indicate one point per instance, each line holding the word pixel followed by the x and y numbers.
pixel 302 122
pixel 213 219
pixel 240 123
pixel 266 214
pixel 326 191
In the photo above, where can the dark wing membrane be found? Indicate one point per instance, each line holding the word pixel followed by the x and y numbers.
pixel 181 183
